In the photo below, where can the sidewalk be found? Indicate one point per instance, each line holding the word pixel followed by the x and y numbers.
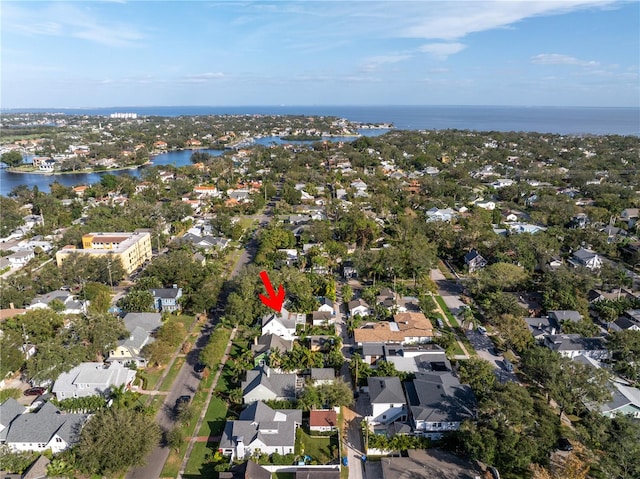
pixel 203 412
pixel 446 321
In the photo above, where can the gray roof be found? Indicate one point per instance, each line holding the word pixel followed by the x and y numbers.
pixel 166 293
pixel 372 349
pixel 439 397
pixel 322 373
pixel 584 255
pixel 575 342
pixel 317 473
pixel 48 297
pixel 621 396
pixel 40 427
pixel 286 319
pixel 38 469
pixel 269 342
pixel 541 326
pixel 9 410
pixel 565 315
pixel 254 422
pixel 282 385
pixel 147 321
pixel 95 379
pixel 386 390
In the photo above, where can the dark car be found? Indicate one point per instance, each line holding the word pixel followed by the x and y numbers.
pixel 37 391
pixel 199 367
pixel 564 444
pixel 182 400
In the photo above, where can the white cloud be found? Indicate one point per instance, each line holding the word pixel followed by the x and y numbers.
pixel 454 20
pixel 442 50
pixel 373 63
pixel 559 59
pixel 63 19
pixel 202 77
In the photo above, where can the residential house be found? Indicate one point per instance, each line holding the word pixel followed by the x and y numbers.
pixel 372 351
pixel 438 214
pixel 406 328
pixel 166 300
pixel 246 470
pixel 586 258
pixel 150 322
pixel 626 322
pixel 260 428
pixel 358 306
pixel 262 384
pixel 411 359
pixel 92 379
pixel 322 318
pixel 438 403
pixel 9 410
pixel 323 420
pixel 263 346
pixel 20 258
pixel 71 305
pixel 129 350
pixel 47 428
pixel 320 342
pixel 282 324
pixel 630 216
pixel 572 345
pixel 474 261
pixel 319 376
pixel 326 305
pixel 387 400
pixel 625 399
pixel 560 316
pixel 542 327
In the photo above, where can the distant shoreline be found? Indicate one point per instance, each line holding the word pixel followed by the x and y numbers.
pixel 85 171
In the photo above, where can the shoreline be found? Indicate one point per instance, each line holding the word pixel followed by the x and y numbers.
pixel 78 172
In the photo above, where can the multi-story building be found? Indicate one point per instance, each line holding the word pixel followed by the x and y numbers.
pixel 132 249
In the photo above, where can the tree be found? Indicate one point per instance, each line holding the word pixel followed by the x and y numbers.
pixel 138 301
pixel 479 374
pixel 114 440
pixel 625 350
pixel 12 158
pixel 347 293
pixel 514 331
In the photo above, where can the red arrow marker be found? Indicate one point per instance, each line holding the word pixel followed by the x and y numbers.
pixel 272 300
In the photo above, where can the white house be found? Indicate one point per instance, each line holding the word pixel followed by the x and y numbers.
pixel 586 258
pixel 39 431
pixel 92 379
pixel 438 403
pixel 358 306
pixel 282 324
pixel 388 403
pixel 260 428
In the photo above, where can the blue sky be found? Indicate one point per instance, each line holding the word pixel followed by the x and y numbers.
pixel 222 53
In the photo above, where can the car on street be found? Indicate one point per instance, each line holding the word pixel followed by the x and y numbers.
pixel 37 391
pixel 199 367
pixel 482 330
pixel 182 400
pixel 345 461
pixel 564 444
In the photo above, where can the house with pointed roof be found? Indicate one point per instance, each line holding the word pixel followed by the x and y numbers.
pixel 388 403
pixel 438 403
pixel 9 410
pixel 48 428
pixel 129 350
pixel 572 345
pixel 282 324
pixel 92 379
pixel 167 299
pixel 586 258
pixel 263 346
pixel 474 261
pixel 323 420
pixel 358 306
pixel 262 384
pixel 261 428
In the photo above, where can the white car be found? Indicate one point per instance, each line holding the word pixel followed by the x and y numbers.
pixel 482 330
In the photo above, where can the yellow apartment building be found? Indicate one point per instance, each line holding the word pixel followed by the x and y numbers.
pixel 133 249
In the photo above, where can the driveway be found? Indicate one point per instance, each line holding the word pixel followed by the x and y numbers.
pixel 450 291
pixel 353 443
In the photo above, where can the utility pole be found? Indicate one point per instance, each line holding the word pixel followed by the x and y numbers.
pixel 109 269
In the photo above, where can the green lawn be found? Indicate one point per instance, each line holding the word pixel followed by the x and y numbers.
pixel 171 375
pixel 213 425
pixel 447 313
pixel 318 447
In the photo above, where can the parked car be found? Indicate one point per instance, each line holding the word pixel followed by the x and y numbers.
pixel 482 330
pixel 564 444
pixel 345 461
pixel 507 365
pixel 199 367
pixel 37 391
pixel 182 400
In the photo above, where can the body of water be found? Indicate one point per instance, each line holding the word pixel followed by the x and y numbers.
pixel 556 120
